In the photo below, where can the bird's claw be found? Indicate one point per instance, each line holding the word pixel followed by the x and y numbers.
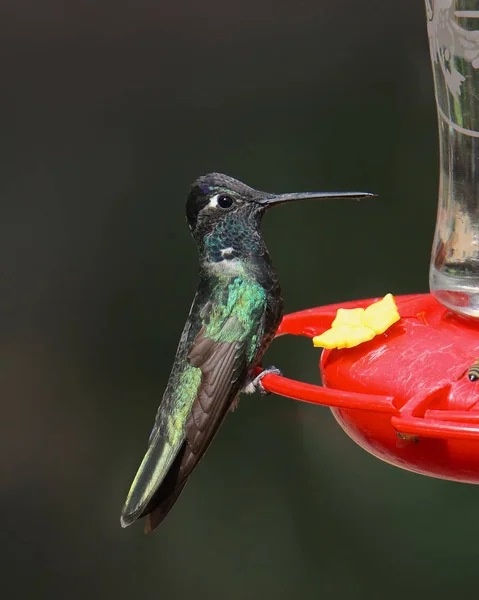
pixel 256 384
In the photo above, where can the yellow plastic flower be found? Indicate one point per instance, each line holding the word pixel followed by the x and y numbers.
pixel 352 327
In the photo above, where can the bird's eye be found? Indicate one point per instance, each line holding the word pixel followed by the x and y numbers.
pixel 225 201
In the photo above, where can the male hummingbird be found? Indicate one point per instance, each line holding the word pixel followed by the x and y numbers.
pixel 233 319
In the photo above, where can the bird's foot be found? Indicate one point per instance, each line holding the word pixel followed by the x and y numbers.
pixel 255 385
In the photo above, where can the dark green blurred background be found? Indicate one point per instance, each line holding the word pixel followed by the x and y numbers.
pixel 109 110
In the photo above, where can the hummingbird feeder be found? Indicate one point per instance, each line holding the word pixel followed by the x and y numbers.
pixel 408 392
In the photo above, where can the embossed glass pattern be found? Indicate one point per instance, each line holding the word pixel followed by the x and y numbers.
pixel 453 30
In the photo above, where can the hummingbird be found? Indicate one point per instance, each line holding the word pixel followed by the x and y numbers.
pixel 235 313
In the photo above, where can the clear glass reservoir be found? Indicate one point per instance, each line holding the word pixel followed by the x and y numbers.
pixel 453 30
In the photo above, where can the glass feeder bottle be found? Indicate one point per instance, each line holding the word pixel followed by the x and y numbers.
pixel 453 31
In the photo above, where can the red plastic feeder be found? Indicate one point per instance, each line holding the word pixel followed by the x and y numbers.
pixel 404 396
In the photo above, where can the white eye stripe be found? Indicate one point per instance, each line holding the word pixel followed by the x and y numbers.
pixel 213 203
pixel 223 201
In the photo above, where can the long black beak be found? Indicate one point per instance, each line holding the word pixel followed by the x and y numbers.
pixel 282 198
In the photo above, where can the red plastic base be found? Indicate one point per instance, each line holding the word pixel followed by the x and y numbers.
pixel 404 396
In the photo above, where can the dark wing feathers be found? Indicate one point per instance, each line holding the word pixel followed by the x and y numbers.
pixel 223 350
pixel 225 363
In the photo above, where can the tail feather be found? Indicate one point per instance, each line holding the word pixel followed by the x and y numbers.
pixel 156 516
pixel 154 469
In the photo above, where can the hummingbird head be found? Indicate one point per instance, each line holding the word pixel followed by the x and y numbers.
pixel 224 214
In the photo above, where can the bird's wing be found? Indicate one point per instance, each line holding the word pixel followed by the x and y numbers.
pixel 218 362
